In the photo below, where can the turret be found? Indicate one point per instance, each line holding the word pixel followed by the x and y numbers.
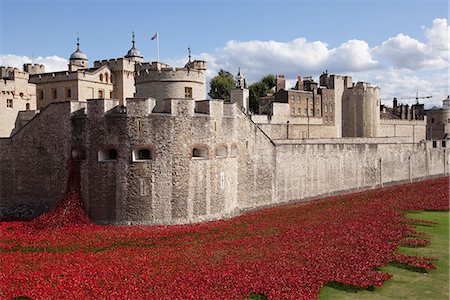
pixel 134 54
pixel 78 59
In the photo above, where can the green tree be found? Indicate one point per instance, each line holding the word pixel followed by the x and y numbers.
pixel 221 85
pixel 260 89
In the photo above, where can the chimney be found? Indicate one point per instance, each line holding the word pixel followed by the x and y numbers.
pixel 280 83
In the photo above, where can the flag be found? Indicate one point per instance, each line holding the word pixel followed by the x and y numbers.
pixel 155 36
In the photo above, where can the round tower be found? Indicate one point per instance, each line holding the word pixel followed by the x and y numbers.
pixel 134 54
pixel 161 81
pixel 78 59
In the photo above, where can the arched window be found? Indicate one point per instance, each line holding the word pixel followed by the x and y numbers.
pixel 106 77
pixel 200 152
pixel 142 154
pixel 221 151
pixel 107 155
pixel 101 77
pixel 27 106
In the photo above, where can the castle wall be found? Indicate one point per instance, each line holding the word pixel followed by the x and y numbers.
pixel 33 167
pixel 174 187
pixel 16 95
pixel 414 129
pixel 205 164
pixel 312 169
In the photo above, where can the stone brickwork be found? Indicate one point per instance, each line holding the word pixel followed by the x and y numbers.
pixel 16 95
pixel 161 81
pixel 194 162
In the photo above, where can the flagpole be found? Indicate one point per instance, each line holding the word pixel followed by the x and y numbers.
pixel 157 43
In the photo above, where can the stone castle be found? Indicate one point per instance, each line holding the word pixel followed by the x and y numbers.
pixel 154 150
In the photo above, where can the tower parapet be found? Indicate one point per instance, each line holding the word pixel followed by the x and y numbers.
pixel 161 81
pixel 34 68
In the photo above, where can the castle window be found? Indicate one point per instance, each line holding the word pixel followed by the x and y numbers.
pixel 318 112
pixel 107 155
pixel 54 93
pixel 142 154
pixel 27 106
pixel 326 107
pixel 448 120
pixel 9 103
pixel 68 92
pixel 199 152
pixel 106 77
pixel 331 108
pixel 221 152
pixel 40 94
pixel 101 77
pixel 188 92
pixel 444 144
pixel 432 120
pixel 111 95
pixel 233 151
pixel 434 144
pixel 100 94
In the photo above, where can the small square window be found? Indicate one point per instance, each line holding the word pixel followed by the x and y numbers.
pixel 188 92
pixel 9 103
pixel 100 94
pixel 68 92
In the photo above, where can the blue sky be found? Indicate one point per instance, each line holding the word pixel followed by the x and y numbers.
pixel 394 44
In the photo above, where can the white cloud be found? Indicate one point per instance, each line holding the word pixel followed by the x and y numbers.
pixel 51 63
pixel 403 51
pixel 291 58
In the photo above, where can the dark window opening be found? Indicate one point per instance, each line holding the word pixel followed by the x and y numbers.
pixel 145 154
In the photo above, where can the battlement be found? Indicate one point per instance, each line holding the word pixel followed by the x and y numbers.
pixel 156 71
pixel 141 107
pixel 422 122
pixel 33 68
pixel 12 73
pixel 116 63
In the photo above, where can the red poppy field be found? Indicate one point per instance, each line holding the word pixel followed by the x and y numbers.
pixel 284 252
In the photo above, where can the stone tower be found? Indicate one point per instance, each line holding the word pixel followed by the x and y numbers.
pixel 78 59
pixel 240 94
pixel 161 81
pixel 360 111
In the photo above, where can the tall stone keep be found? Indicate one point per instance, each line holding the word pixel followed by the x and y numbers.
pixel 360 111
pixel 241 94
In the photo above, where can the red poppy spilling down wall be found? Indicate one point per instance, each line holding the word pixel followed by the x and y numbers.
pixel 284 252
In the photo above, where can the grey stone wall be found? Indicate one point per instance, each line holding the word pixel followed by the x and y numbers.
pixel 240 167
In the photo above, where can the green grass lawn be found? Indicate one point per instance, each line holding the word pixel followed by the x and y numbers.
pixel 407 284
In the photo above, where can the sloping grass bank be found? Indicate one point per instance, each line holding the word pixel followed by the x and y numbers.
pixel 407 284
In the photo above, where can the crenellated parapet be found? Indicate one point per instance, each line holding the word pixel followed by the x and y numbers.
pixel 161 81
